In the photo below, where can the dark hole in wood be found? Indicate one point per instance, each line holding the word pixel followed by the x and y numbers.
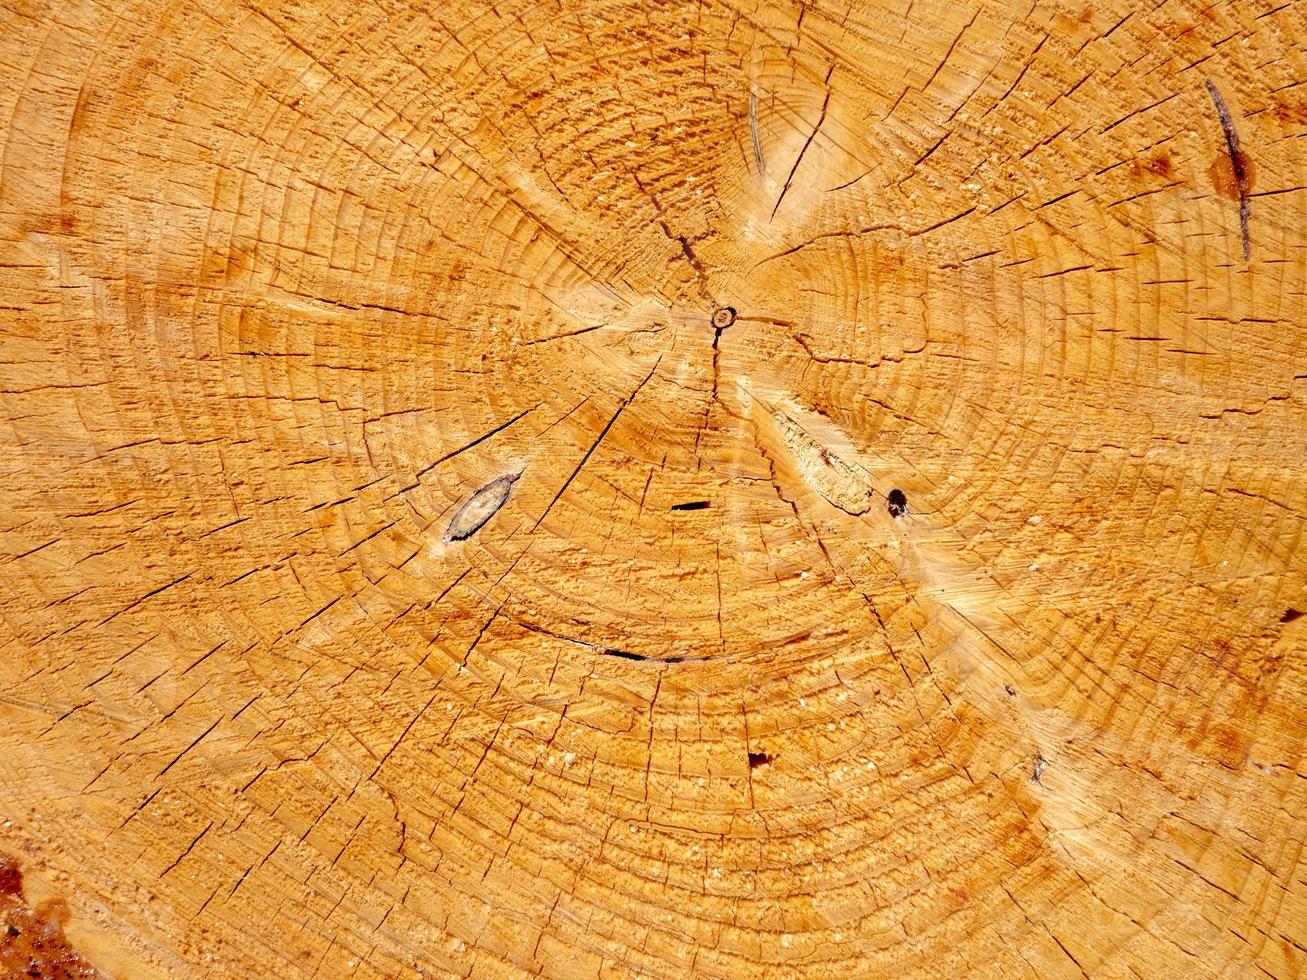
pixel 692 505
pixel 624 655
pixel 898 503
pixel 1291 614
pixel 757 759
pixel 723 318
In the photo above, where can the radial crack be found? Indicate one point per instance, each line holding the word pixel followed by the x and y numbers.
pixel 799 159
pixel 753 133
pixel 595 445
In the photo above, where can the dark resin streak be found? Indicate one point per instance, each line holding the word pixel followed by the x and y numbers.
pixel 1237 162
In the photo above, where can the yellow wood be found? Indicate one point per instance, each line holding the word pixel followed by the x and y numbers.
pixel 446 459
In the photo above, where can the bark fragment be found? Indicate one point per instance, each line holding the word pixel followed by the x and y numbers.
pixel 483 505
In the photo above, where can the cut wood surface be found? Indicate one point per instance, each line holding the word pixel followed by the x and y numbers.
pixel 719 488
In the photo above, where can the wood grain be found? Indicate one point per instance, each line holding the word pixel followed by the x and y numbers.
pixel 620 488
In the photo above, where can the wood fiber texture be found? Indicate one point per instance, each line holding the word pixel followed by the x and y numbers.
pixel 603 489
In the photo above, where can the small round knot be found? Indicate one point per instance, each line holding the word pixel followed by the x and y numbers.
pixel 723 318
